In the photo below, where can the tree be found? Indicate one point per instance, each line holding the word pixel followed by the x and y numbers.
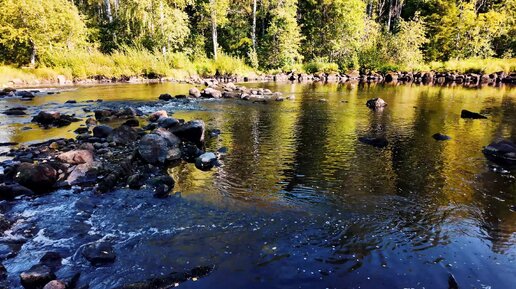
pixel 31 28
pixel 283 37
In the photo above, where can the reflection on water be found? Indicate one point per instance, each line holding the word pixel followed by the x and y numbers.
pixel 331 211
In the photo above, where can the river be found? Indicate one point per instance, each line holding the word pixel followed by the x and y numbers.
pixel 298 201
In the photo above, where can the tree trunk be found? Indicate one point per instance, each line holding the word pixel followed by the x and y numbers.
pixel 254 26
pixel 214 28
pixel 109 15
pixel 32 54
pixel 389 17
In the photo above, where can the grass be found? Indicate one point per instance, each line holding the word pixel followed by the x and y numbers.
pixel 476 65
pixel 130 62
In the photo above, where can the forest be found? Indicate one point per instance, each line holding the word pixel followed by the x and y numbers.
pixel 116 38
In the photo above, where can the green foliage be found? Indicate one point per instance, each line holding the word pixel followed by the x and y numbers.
pixel 31 28
pixel 476 65
pixel 283 37
pixel 320 65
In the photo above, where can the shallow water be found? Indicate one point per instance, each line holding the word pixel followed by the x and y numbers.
pixel 298 202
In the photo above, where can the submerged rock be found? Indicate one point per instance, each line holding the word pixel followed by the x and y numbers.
pixel 376 103
pixel 379 142
pixel 99 253
pixel 206 161
pixel 440 136
pixel 170 280
pixel 502 152
pixel 36 277
pixel 469 114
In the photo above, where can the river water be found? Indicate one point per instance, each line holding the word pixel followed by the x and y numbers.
pixel 298 202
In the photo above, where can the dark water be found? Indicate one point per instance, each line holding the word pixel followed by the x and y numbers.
pixel 298 201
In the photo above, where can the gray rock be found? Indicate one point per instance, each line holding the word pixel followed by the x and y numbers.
pixel 153 149
pixel 206 161
pixel 123 135
pixel 192 131
pixel 194 92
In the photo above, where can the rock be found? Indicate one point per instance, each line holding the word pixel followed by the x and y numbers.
pixel 123 135
pixel 102 131
pixel 11 191
pixel 162 185
pixel 157 115
pixel 81 130
pixel 91 122
pixel 153 149
pixel 206 161
pixel 211 93
pixel 40 178
pixel 469 114
pixel 172 140
pixel 501 152
pixel 440 136
pixel 376 103
pixel 192 131
pixel 165 96
pixel 379 142
pixel 15 111
pixel 53 118
pixel 180 96
pixel 99 253
pixel 71 101
pixel 37 277
pixel 190 152
pixel 167 122
pixel 103 114
pixel 52 260
pixel 25 94
pixel 55 284
pixel 132 122
pixel 76 157
pixel 194 92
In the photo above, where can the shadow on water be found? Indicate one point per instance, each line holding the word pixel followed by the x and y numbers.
pixel 298 202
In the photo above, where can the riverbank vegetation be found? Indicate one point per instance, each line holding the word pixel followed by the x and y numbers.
pixel 181 38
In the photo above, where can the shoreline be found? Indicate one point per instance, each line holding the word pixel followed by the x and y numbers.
pixel 424 78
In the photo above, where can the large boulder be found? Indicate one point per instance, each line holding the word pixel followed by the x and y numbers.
pixel 39 178
pixel 469 114
pixel 172 140
pixel 37 277
pixel 501 152
pixel 153 149
pixel 376 103
pixel 192 131
pixel 123 135
pixel 82 160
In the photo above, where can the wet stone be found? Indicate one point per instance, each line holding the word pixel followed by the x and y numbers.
pixel 99 253
pixel 441 137
pixel 206 161
pixel 376 103
pixel 55 284
pixel 102 131
pixel 470 114
pixel 37 276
